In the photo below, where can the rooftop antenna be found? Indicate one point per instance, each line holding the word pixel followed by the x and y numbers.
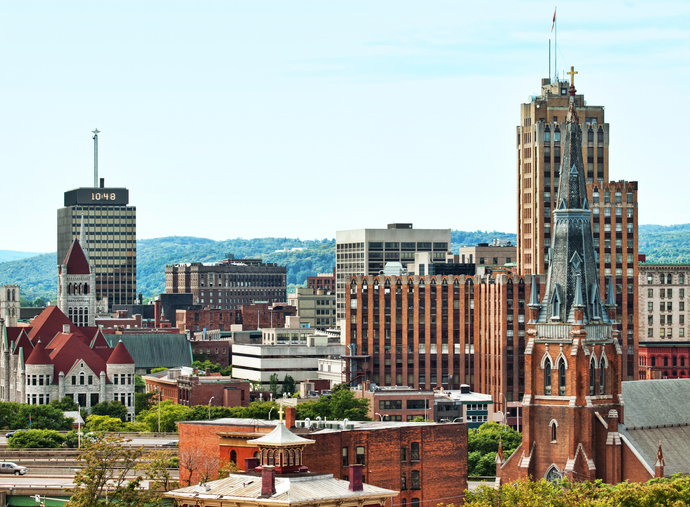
pixel 95 157
pixel 554 28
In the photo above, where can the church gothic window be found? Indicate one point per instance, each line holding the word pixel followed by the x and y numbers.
pixel 547 378
pixel 553 474
pixel 602 376
pixel 561 377
pixel 592 376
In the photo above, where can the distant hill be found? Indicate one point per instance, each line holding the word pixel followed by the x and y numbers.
pixel 12 255
pixel 37 275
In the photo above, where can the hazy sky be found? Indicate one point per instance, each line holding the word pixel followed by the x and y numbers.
pixel 248 119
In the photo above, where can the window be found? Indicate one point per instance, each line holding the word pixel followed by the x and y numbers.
pixel 74 380
pixel 414 502
pixel 414 479
pixel 602 376
pixel 547 378
pixel 553 431
pixel 360 455
pixel 591 378
pixel 403 454
pixel 414 451
pixel 403 482
pixel 561 377
pixel 346 461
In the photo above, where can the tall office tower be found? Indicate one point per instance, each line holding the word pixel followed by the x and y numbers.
pixel 110 238
pixel 613 204
pixel 362 252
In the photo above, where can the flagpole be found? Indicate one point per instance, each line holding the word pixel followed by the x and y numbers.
pixel 555 44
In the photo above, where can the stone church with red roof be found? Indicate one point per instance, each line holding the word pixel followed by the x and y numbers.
pixel 53 358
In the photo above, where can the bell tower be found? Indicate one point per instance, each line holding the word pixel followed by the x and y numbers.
pixel 572 356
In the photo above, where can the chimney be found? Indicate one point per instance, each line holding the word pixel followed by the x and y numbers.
pixel 208 372
pixel 268 481
pixel 290 416
pixel 102 182
pixel 250 464
pixel 613 420
pixel 65 328
pixel 157 313
pixel 356 478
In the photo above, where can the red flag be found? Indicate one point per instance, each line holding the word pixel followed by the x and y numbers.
pixel 554 20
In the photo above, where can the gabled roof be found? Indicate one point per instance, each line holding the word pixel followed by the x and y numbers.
pixel 48 323
pixel 120 355
pixel 39 355
pixel 70 349
pixel 76 260
pixel 100 345
pixel 23 341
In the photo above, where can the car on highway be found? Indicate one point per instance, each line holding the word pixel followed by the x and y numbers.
pixel 7 467
pixel 8 435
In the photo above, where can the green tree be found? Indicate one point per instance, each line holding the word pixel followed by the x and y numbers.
pixel 139 384
pixel 159 369
pixel 340 404
pixel 169 413
pixel 288 385
pixel 143 401
pixel 36 439
pixel 104 423
pixel 99 472
pixel 110 408
pixel 273 384
pixel 65 404
pixel 9 412
pixel 45 417
pixel 488 435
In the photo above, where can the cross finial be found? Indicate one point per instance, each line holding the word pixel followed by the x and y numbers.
pixel 280 413
pixel 572 75
pixel 95 131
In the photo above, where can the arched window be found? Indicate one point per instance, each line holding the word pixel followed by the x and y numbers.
pixel 547 378
pixel 681 278
pixel 264 457
pixel 86 288
pixel 270 458
pixel 233 456
pixel 682 361
pixel 14 295
pixel 665 360
pixel 298 457
pixel 669 279
pixel 291 457
pixel 602 375
pixel 81 378
pixel 561 377
pixel 653 361
pixel 554 425
pixel 592 376
pixel 553 474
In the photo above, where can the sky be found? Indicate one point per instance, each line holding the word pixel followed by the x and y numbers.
pixel 230 119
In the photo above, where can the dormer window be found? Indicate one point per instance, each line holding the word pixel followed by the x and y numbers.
pixel 555 305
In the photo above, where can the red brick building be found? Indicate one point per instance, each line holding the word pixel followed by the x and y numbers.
pixel 325 281
pixel 398 403
pixel 265 316
pixel 198 320
pixel 216 351
pixel 216 390
pixel 424 461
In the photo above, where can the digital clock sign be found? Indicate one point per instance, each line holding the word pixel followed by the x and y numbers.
pixel 90 196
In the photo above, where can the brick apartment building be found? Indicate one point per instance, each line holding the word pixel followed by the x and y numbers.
pixel 398 403
pixel 228 284
pixel 324 281
pixel 663 327
pixel 184 387
pixel 262 315
pixel 424 461
pixel 216 351
pixel 213 319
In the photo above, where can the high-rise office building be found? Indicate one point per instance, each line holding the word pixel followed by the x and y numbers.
pixel 363 252
pixel 110 238
pixel 613 204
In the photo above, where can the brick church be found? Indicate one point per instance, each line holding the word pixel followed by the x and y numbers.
pixel 574 399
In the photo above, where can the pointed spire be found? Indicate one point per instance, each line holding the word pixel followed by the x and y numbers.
pixel 499 455
pixel 578 302
pixel 659 457
pixel 534 296
pixel 82 238
pixel 610 293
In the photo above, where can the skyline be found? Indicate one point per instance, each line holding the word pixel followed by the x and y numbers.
pixel 231 120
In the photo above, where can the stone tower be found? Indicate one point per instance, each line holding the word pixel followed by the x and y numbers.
pixel 76 282
pixel 572 357
pixel 9 304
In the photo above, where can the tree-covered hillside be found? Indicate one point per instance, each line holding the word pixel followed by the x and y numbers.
pixel 37 275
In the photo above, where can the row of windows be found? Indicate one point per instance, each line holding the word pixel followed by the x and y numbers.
pixel 666 306
pixel 37 380
pixel 666 293
pixel 666 279
pixel 665 319
pixel 666 332
pixel 665 360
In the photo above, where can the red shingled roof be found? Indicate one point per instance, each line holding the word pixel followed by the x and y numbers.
pixel 39 355
pixel 76 260
pixel 48 323
pixel 24 342
pixel 69 350
pixel 120 355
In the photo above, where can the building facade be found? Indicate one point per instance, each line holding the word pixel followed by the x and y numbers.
pixel 228 284
pixel 366 251
pixel 613 204
pixel 110 225
pixel 315 308
pixel 9 304
pixel 325 281
pixel 663 325
pixel 495 254
pixel 76 282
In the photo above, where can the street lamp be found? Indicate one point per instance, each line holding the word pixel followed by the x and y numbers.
pixel 381 416
pixel 78 426
pixel 209 407
pixel 505 412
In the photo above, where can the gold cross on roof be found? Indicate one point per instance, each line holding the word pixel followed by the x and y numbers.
pixel 280 413
pixel 572 75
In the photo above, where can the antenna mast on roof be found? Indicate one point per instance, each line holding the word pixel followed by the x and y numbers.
pixel 95 157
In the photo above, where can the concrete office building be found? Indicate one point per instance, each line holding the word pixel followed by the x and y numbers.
pixel 498 253
pixel 110 226
pixel 663 327
pixel 363 252
pixel 613 204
